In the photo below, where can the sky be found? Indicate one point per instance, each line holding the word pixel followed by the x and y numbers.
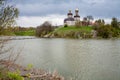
pixel 34 12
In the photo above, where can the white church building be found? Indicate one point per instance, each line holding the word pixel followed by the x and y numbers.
pixel 72 19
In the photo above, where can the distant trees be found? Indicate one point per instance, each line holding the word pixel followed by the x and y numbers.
pixel 90 18
pixel 115 23
pixel 107 30
pixel 8 14
pixel 87 20
pixel 44 29
pixel 19 28
pixel 99 23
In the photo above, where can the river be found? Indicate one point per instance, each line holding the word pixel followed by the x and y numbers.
pixel 87 59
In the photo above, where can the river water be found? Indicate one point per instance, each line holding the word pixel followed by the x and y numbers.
pixel 80 59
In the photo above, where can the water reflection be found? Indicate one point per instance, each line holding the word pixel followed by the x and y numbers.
pixel 80 59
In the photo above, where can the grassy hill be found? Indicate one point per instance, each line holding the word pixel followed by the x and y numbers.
pixel 73 32
pixel 73 28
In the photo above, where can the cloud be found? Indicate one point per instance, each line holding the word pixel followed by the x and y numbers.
pixel 33 21
pixel 34 12
pixel 93 1
pixel 56 19
pixel 97 8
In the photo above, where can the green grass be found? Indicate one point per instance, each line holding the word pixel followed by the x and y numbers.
pixel 75 29
pixel 25 33
pixel 72 31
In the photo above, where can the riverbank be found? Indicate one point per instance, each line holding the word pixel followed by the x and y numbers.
pixel 15 71
pixel 72 32
pixel 84 32
pixel 18 33
pixel 25 33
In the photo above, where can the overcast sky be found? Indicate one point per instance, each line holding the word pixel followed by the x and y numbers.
pixel 35 12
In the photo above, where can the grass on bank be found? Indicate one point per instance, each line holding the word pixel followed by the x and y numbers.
pixel 73 28
pixel 25 33
pixel 73 32
pixel 18 33
pixel 7 33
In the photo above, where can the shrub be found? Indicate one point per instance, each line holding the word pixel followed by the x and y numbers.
pixel 14 76
pixel 5 75
pixel 106 31
pixel 65 25
pixel 44 29
pixel 29 66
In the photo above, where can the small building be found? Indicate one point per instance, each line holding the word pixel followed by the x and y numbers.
pixel 72 20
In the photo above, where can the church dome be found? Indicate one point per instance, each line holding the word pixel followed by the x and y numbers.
pixel 77 10
pixel 70 13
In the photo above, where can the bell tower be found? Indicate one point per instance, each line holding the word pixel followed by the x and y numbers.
pixel 70 14
pixel 77 17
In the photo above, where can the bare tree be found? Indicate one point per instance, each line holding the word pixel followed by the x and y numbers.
pixel 8 14
pixel 90 18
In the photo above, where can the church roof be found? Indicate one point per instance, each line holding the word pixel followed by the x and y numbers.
pixel 69 19
pixel 70 14
pixel 76 16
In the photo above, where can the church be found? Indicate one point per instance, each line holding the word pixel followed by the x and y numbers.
pixel 72 19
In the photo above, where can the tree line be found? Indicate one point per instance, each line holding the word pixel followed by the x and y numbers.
pixel 102 29
pixel 107 30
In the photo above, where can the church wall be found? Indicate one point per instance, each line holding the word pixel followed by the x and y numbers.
pixel 77 19
pixel 69 16
pixel 70 23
